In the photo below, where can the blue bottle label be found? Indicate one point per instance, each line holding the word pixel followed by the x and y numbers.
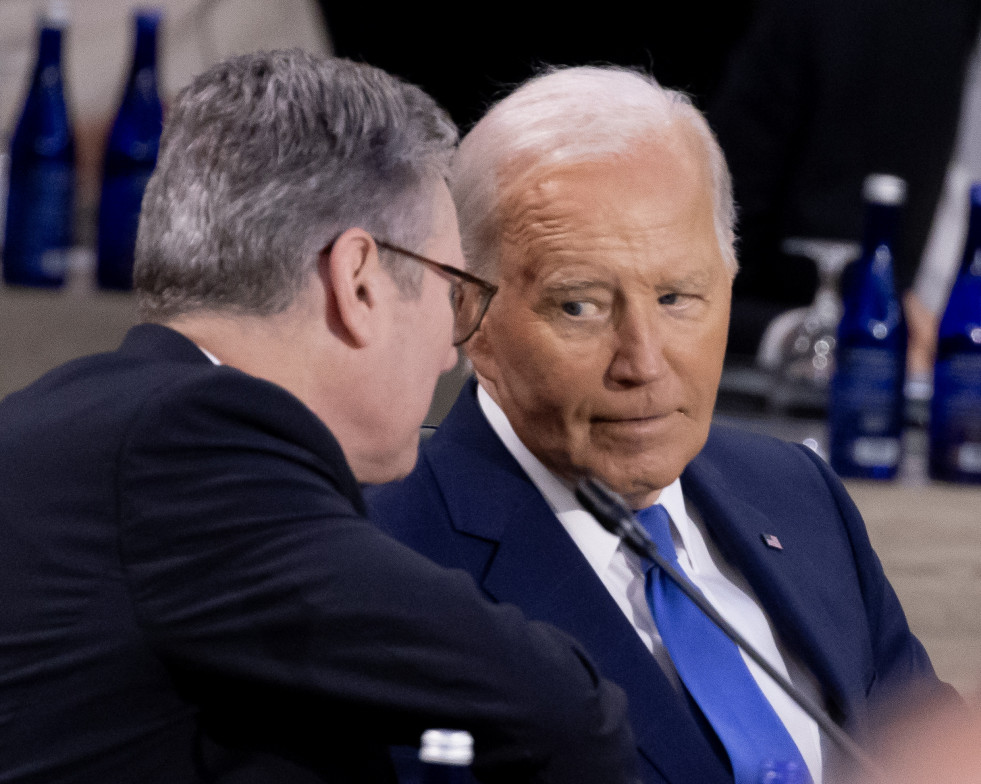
pixel 955 427
pixel 866 412
pixel 39 218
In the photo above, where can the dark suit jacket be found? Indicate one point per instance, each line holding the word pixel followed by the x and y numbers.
pixel 469 504
pixel 190 592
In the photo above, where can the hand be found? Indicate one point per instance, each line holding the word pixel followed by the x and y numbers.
pixel 923 325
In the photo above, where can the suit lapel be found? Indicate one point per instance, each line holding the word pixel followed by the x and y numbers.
pixel 790 583
pixel 537 565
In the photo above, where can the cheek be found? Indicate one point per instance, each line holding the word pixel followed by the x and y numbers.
pixel 545 391
pixel 552 424
pixel 539 395
pixel 543 376
pixel 697 360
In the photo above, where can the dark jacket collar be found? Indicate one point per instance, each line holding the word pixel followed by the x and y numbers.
pixel 162 342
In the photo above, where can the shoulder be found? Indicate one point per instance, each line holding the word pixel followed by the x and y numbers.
pixel 777 478
pixel 746 457
pixel 787 484
pixel 232 415
pixel 166 408
pixel 223 397
pixel 742 456
pixel 461 493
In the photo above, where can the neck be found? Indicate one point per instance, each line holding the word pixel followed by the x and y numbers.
pixel 273 348
pixel 294 351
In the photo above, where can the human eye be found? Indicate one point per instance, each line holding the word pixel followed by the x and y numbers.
pixel 680 295
pixel 579 308
pixel 575 303
pixel 682 303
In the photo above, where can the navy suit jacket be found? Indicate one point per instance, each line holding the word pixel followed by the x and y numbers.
pixel 190 592
pixel 469 504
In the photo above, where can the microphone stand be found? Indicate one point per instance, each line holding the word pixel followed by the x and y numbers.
pixel 616 517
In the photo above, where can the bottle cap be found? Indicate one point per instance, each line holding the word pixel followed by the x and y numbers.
pixel 56 14
pixel 884 189
pixel 446 747
pixel 148 14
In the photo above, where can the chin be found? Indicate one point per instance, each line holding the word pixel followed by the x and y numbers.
pixel 640 488
pixel 640 494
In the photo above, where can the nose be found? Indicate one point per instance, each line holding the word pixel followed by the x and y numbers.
pixel 638 356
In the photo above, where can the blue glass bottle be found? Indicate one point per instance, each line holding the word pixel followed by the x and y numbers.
pixel 130 157
pixel 955 411
pixel 866 395
pixel 40 201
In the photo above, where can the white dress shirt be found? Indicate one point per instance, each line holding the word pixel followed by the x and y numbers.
pixel 623 575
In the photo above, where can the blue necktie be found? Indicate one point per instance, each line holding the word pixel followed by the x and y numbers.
pixel 712 669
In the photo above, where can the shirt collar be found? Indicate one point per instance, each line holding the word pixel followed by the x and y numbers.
pixel 209 355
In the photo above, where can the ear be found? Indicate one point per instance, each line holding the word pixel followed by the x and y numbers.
pixel 352 278
pixel 480 351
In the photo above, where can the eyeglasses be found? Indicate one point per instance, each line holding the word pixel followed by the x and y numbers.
pixel 469 295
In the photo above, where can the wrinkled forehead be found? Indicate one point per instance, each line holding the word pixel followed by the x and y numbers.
pixel 657 182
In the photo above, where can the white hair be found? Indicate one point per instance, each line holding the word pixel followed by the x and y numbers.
pixel 567 115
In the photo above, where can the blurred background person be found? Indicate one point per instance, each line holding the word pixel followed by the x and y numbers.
pixel 819 94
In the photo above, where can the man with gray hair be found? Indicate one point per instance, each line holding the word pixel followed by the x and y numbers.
pixel 191 591
pixel 600 205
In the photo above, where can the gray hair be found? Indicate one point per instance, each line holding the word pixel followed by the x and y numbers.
pixel 264 160
pixel 569 115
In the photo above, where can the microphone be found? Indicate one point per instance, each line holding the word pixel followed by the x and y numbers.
pixel 615 516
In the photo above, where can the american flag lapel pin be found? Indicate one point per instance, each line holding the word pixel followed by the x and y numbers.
pixel 771 541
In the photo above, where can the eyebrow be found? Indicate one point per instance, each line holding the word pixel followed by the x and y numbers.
pixel 693 279
pixel 575 285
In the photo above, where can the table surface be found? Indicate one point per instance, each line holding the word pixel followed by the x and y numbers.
pixel 928 537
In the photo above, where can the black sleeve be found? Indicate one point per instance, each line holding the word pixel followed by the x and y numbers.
pixel 295 624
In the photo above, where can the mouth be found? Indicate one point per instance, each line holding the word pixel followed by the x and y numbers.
pixel 635 427
pixel 628 420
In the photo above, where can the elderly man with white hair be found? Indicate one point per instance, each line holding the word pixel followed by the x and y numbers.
pixel 600 205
